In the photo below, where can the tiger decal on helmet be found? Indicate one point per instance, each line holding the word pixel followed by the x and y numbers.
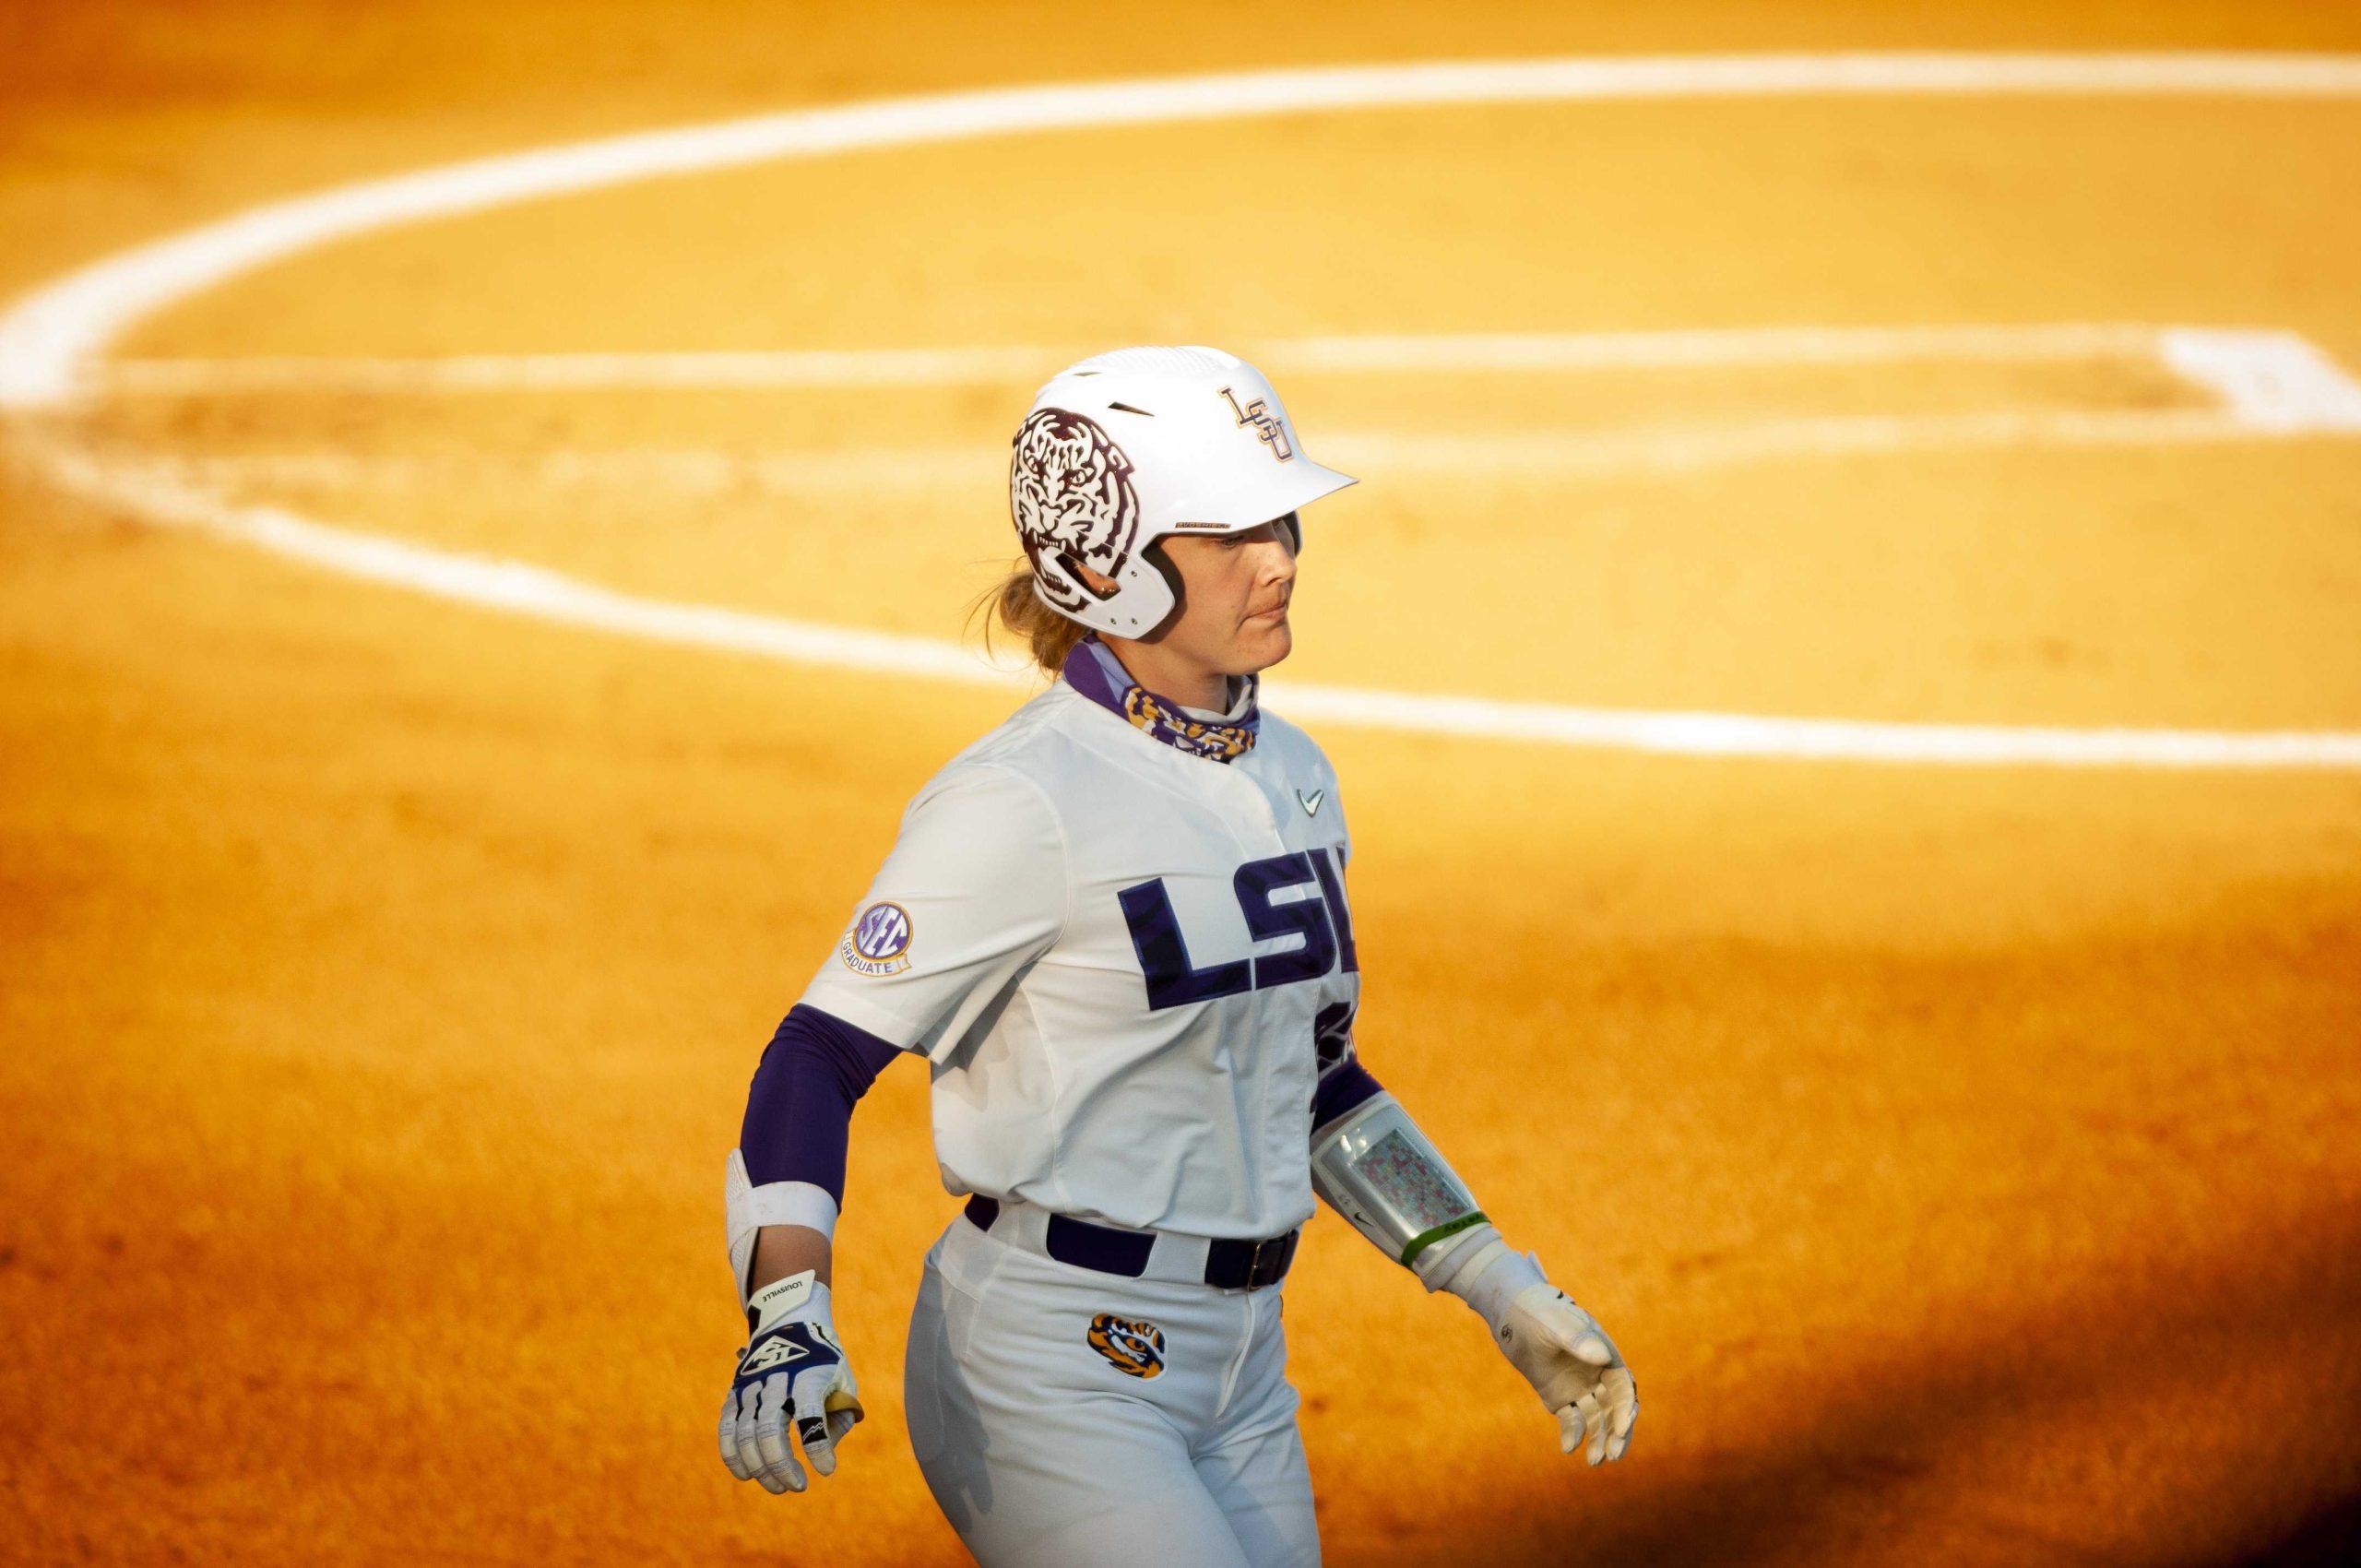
pixel 1070 495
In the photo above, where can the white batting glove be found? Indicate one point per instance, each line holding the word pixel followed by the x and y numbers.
pixel 1558 1346
pixel 793 1369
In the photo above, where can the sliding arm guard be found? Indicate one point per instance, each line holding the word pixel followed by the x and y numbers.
pixel 1375 1167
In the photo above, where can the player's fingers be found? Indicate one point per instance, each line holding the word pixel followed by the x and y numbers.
pixel 1594 1427
pixel 750 1450
pixel 819 1448
pixel 770 1438
pixel 750 1453
pixel 729 1456
pixel 1575 1331
pixel 1587 1344
pixel 811 1425
pixel 1570 1428
pixel 1623 1412
pixel 844 1413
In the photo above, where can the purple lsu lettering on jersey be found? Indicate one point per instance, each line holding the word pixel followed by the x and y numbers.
pixel 1125 963
pixel 1320 919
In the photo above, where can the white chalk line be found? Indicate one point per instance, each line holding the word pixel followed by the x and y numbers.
pixel 1463 353
pixel 513 585
pixel 926 470
pixel 521 588
pixel 2269 382
pixel 50 340
pixel 1691 449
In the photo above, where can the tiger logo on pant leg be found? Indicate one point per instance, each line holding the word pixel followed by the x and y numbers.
pixel 1070 494
pixel 1131 1346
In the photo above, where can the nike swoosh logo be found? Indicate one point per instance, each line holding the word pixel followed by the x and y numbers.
pixel 1311 803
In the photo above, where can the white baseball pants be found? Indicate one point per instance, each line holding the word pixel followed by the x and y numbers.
pixel 1043 1452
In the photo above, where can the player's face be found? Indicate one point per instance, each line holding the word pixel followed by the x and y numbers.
pixel 1234 594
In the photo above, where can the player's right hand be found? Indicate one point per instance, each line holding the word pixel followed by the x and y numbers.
pixel 792 1373
pixel 1574 1367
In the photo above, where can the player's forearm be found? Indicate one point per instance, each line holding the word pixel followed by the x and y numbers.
pixel 1373 1166
pixel 783 1250
pixel 786 1178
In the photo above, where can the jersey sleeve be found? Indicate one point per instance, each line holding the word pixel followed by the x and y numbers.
pixel 973 890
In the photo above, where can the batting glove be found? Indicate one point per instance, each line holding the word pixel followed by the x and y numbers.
pixel 793 1369
pixel 1558 1346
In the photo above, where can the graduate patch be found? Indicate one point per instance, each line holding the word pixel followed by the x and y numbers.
pixel 879 942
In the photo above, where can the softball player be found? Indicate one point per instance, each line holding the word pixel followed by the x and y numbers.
pixel 1116 928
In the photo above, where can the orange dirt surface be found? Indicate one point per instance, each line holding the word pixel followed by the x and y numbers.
pixel 1968 1161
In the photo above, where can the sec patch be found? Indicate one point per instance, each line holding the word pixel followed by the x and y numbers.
pixel 879 942
pixel 1132 1346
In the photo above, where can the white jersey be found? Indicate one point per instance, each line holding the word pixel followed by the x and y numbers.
pixel 1127 964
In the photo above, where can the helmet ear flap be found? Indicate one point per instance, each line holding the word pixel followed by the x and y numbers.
pixel 1154 556
pixel 1147 592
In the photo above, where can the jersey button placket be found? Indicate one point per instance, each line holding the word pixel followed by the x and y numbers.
pixel 1257 808
pixel 1254 810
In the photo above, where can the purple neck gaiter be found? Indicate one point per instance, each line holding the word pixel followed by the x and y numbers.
pixel 1094 672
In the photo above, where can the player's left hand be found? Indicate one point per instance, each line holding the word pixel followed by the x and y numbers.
pixel 791 1376
pixel 1574 1366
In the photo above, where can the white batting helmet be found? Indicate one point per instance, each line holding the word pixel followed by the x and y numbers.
pixel 1124 447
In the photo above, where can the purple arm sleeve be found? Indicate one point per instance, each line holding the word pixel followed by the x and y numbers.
pixel 1342 1087
pixel 800 1108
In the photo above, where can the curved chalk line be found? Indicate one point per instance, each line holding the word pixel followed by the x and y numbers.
pixel 49 340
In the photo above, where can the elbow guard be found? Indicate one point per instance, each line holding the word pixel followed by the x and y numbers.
pixel 1376 1169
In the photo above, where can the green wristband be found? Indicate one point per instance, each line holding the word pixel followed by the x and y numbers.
pixel 1426 1238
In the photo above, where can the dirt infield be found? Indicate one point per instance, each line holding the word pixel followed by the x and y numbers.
pixel 1968 1159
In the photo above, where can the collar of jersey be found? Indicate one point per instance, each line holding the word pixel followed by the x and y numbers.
pixel 1093 670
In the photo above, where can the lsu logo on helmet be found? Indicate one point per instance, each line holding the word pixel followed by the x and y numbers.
pixel 1267 428
pixel 1131 1346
